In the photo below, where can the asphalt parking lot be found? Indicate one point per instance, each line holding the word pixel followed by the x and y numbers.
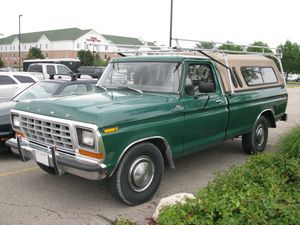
pixel 30 196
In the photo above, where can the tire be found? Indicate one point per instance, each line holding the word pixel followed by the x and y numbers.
pixel 47 169
pixel 255 141
pixel 138 175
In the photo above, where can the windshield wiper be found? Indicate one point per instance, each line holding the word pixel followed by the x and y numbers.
pixel 131 88
pixel 104 88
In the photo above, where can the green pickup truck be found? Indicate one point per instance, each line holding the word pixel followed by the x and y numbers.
pixel 146 112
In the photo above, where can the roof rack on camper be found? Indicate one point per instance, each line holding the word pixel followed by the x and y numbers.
pixel 178 49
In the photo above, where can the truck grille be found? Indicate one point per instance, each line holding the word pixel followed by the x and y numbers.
pixel 47 132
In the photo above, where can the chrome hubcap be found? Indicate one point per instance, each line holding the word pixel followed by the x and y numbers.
pixel 259 135
pixel 141 173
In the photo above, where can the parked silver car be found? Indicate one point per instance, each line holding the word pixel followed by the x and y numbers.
pixel 14 82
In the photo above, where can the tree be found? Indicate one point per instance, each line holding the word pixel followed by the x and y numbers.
pixel 290 57
pixel 1 63
pixel 205 45
pixel 86 57
pixel 35 53
pixel 99 61
pixel 265 48
pixel 230 46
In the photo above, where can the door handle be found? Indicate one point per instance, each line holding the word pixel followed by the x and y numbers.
pixel 219 101
pixel 178 108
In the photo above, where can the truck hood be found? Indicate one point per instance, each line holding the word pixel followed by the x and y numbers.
pixel 103 109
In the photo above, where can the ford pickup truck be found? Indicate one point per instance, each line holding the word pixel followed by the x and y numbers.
pixel 147 111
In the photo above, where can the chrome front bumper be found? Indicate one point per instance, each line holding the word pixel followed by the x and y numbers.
pixel 61 162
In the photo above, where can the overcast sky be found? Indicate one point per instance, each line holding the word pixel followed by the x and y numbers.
pixel 241 22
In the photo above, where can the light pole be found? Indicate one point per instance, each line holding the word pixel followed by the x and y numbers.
pixel 20 42
pixel 171 23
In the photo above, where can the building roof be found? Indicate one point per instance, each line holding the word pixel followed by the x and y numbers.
pixel 52 35
pixel 120 40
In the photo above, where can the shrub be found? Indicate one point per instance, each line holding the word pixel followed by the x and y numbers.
pixel 290 144
pixel 266 190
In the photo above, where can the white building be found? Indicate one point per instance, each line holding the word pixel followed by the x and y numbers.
pixel 64 43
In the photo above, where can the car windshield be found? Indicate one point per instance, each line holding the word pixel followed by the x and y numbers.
pixel 39 90
pixel 143 76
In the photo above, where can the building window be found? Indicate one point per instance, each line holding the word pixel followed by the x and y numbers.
pixel 46 46
pixel 25 47
pixel 78 46
pixel 40 46
pixel 13 47
pixel 6 48
pixel 10 48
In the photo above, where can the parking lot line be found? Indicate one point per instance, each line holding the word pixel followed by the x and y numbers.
pixel 17 171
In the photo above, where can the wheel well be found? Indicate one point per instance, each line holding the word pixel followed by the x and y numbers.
pixel 270 117
pixel 160 143
pixel 162 146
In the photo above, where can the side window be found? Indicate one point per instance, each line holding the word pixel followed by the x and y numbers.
pixel 268 75
pixel 35 68
pixel 237 77
pixel 199 79
pixel 50 69
pixel 6 80
pixel 254 75
pixel 63 70
pixel 74 89
pixel 24 79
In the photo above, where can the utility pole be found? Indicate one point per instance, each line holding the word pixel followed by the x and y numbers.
pixel 20 42
pixel 171 23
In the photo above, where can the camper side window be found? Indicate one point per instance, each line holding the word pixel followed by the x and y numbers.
pixel 254 75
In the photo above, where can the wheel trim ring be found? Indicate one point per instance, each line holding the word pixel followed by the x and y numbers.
pixel 141 173
pixel 259 135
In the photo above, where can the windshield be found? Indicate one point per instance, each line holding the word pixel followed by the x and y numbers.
pixel 39 90
pixel 143 76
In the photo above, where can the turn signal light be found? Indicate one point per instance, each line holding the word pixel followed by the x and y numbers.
pixel 91 154
pixel 110 130
pixel 18 133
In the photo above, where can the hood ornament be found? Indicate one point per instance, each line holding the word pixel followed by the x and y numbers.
pixel 52 112
pixel 68 115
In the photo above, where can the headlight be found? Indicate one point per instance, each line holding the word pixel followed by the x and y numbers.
pixel 16 121
pixel 86 137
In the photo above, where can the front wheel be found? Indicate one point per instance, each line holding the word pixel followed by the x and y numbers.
pixel 139 174
pixel 256 140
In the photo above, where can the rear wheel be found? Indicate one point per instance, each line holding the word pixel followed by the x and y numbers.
pixel 47 169
pixel 256 140
pixel 139 174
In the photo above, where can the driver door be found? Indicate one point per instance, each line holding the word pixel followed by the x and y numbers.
pixel 205 106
